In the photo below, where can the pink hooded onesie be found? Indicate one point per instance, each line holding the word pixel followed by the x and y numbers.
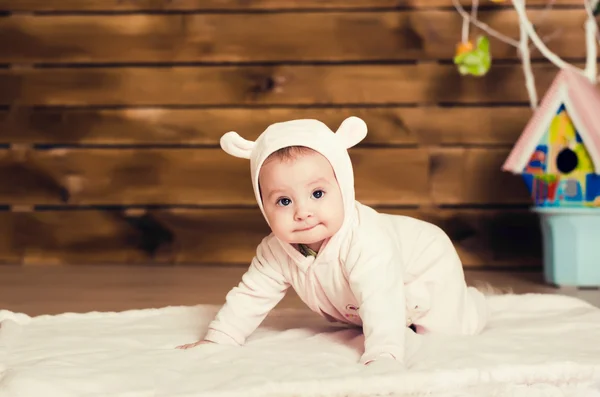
pixel 379 271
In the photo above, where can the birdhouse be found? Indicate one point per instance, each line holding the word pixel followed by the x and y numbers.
pixel 558 153
pixel 558 157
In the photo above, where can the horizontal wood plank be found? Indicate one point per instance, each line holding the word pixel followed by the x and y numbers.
pixel 229 236
pixel 267 85
pixel 10 253
pixel 340 36
pixel 163 126
pixel 183 176
pixel 235 5
pixel 386 176
pixel 462 176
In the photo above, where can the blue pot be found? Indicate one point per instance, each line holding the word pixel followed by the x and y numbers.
pixel 571 245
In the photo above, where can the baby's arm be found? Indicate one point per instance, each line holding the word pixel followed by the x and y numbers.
pixel 247 304
pixel 376 281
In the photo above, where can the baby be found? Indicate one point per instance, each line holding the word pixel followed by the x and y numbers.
pixel 346 261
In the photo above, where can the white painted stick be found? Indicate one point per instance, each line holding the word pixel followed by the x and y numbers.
pixel 591 45
pixel 522 46
pixel 483 26
pixel 527 71
pixel 519 6
pixel 591 64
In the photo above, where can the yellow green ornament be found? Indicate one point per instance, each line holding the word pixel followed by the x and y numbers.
pixel 474 61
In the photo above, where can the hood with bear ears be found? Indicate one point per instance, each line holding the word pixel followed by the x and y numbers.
pixel 312 134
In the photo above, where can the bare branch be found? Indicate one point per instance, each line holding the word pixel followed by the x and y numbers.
pixel 519 6
pixel 522 45
pixel 547 9
pixel 483 26
pixel 527 71
pixel 549 37
pixel 591 38
pixel 541 18
pixel 590 6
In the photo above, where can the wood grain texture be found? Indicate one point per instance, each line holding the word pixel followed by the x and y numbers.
pixel 234 5
pixel 473 176
pixel 267 85
pixel 10 252
pixel 205 67
pixel 385 176
pixel 314 36
pixel 483 238
pixel 163 126
pixel 184 176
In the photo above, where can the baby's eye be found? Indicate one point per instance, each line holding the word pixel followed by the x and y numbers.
pixel 284 201
pixel 318 194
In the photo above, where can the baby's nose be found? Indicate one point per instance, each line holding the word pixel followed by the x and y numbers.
pixel 303 213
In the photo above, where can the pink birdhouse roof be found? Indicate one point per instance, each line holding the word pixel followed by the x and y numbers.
pixel 582 101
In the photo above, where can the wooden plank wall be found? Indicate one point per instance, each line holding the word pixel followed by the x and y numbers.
pixel 111 111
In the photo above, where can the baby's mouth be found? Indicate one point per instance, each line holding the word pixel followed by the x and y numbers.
pixel 306 228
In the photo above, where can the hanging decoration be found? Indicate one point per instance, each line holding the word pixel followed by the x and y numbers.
pixel 474 61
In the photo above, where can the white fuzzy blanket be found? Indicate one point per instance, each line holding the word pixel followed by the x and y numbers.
pixel 544 345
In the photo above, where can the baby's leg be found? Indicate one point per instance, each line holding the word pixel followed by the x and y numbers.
pixel 450 307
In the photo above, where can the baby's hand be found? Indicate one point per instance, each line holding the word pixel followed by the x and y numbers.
pixel 190 345
pixel 385 363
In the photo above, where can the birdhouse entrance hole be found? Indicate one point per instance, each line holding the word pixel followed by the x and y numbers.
pixel 566 161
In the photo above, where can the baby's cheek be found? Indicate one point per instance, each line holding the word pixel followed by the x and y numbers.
pixel 270 217
pixel 336 216
pixel 281 227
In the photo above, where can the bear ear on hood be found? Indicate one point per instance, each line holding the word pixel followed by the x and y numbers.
pixel 235 145
pixel 351 131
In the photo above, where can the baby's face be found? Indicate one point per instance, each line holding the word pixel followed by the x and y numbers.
pixel 301 198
